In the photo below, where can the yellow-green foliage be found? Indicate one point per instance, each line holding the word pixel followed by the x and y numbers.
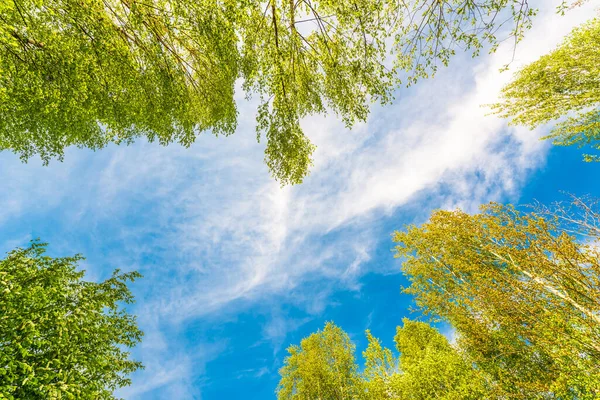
pixel 62 337
pixel 323 367
pixel 521 290
pixel 564 83
pixel 431 368
pixel 91 72
pixel 427 367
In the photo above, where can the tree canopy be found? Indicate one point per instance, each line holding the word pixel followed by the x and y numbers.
pixel 563 85
pixel 91 72
pixel 62 337
pixel 427 366
pixel 522 290
pixel 322 367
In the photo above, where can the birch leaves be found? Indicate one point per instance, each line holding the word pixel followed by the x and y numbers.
pixel 563 84
pixel 522 292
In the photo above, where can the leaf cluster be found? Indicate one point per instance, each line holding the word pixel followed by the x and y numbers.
pixel 522 291
pixel 62 337
pixel 562 85
pixel 323 367
pixel 88 73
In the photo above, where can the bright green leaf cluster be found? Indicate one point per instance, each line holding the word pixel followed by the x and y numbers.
pixel 323 367
pixel 561 84
pixel 62 337
pixel 432 368
pixel 91 72
pixel 432 30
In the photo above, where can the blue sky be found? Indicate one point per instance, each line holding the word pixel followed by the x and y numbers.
pixel 236 268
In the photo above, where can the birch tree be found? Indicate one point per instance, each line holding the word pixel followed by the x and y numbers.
pixel 562 87
pixel 323 366
pixel 426 367
pixel 521 288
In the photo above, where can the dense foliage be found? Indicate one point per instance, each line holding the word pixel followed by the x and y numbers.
pixel 62 337
pixel 324 367
pixel 522 290
pixel 90 72
pixel 427 367
pixel 563 84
